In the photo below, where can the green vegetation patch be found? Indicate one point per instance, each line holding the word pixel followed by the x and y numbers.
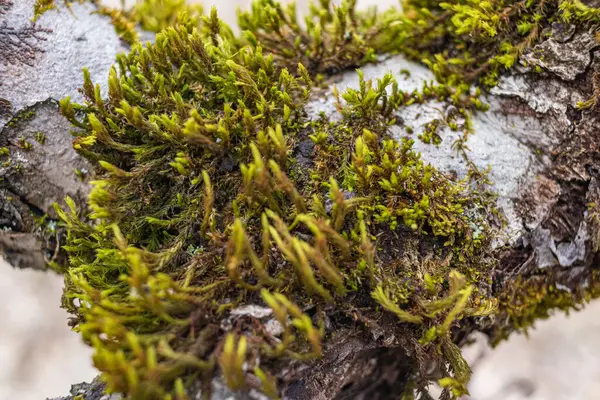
pixel 213 189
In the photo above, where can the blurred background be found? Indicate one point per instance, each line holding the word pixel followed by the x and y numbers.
pixel 40 357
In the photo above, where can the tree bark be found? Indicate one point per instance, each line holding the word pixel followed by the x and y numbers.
pixel 40 166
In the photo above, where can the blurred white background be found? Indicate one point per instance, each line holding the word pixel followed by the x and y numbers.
pixel 40 357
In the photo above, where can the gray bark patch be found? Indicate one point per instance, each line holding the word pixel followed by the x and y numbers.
pixel 74 40
pixel 510 139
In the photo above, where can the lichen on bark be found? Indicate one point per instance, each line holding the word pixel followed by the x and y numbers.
pixel 216 189
pixel 19 44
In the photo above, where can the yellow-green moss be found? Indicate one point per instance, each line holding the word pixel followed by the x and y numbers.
pixel 149 15
pixel 201 204
pixel 22 116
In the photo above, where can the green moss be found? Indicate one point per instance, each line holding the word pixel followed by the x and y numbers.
pixel 42 6
pixel 124 23
pixel 22 116
pixel 538 297
pixel 40 137
pixel 200 202
pixel 24 144
pixel 481 39
pixel 150 15
pixel 430 134
pixel 156 15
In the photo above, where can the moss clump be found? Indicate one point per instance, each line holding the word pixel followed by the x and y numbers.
pixel 156 15
pixel 476 41
pixel 202 203
pixel 41 137
pixel 150 15
pixel 538 297
pixel 24 144
pixel 22 116
pixel 42 6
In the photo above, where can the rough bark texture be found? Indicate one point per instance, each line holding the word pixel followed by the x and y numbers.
pixel 40 166
pixel 543 153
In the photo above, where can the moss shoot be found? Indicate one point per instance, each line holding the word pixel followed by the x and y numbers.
pixel 203 202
